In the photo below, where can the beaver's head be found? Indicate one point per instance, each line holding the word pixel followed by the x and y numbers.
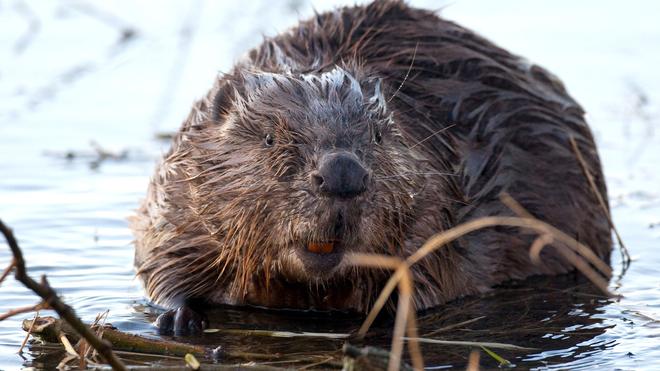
pixel 294 171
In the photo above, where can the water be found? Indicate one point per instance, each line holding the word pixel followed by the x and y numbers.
pixel 71 74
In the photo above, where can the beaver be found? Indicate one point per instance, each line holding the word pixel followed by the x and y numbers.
pixel 364 129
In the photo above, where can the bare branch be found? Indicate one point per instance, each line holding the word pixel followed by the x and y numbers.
pixel 49 296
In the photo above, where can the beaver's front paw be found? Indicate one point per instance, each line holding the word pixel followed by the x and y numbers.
pixel 182 321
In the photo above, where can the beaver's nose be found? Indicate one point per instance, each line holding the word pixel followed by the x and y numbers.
pixel 340 175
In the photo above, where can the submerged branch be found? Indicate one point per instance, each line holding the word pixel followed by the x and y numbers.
pixel 50 329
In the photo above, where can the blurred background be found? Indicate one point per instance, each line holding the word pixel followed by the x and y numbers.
pixel 88 90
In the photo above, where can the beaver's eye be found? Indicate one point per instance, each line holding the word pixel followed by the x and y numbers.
pixel 269 140
pixel 377 136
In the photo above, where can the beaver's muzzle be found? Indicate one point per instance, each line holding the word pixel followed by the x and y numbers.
pixel 340 175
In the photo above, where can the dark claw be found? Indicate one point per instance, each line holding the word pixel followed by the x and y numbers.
pixel 182 321
pixel 165 323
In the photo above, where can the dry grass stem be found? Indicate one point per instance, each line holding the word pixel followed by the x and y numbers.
pixel 453 326
pixel 405 310
pixel 413 346
pixel 580 262
pixel 99 330
pixel 441 239
pixel 493 345
pixel 318 363
pixel 473 361
pixel 625 255
pixel 380 302
pixel 578 254
pixel 539 243
pixel 279 334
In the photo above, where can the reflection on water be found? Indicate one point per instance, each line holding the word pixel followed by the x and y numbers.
pixel 117 74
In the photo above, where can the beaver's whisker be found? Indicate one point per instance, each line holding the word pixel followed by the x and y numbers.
pixel 405 78
pixel 416 173
pixel 432 135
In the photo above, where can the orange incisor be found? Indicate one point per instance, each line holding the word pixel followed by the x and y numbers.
pixel 321 247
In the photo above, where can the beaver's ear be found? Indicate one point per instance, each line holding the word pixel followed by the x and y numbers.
pixel 223 97
pixel 236 90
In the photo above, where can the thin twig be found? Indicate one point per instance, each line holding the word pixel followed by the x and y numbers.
pixel 46 292
pixel 625 256
pixel 29 332
pixel 7 270
pixel 403 307
pixel 21 310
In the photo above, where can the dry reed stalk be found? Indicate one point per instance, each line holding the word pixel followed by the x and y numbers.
pixel 625 255
pixel 578 254
pixel 405 315
pixel 452 234
pixel 563 247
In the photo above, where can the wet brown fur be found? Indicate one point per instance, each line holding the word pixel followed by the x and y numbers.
pixel 223 212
